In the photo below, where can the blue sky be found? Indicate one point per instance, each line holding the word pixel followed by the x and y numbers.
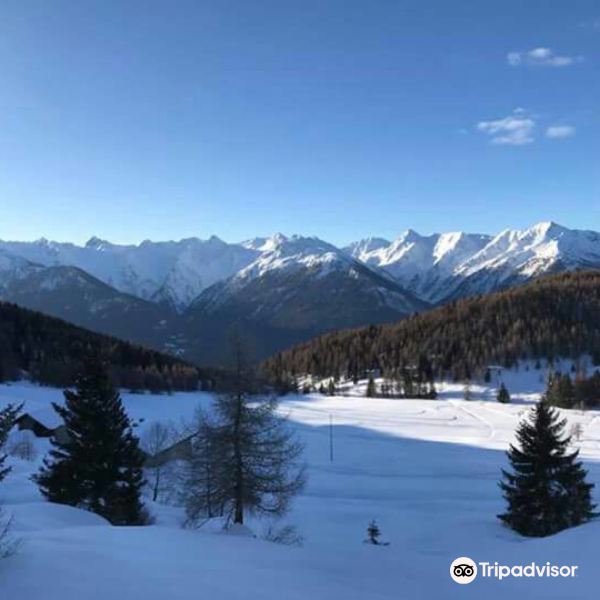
pixel 342 119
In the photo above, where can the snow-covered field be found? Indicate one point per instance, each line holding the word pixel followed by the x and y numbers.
pixel 426 470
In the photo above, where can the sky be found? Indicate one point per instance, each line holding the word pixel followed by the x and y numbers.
pixel 344 119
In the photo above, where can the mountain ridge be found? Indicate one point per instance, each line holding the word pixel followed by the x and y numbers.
pixel 434 267
pixel 168 294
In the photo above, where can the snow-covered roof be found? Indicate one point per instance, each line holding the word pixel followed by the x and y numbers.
pixel 48 417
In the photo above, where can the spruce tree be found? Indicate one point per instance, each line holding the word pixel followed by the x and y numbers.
pixel 99 467
pixel 560 391
pixel 503 395
pixel 547 491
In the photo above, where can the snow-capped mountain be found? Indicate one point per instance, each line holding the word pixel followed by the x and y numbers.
pixel 536 250
pixel 424 265
pixel 281 253
pixel 296 288
pixel 444 266
pixel 283 289
pixel 169 272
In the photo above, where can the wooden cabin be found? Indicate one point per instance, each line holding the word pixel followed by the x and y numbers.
pixel 44 423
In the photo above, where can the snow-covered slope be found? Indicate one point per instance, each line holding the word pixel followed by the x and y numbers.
pixel 14 268
pixel 535 250
pixel 307 258
pixel 426 470
pixel 423 264
pixel 171 272
pixel 198 265
pixel 448 265
pixel 281 253
pixel 365 247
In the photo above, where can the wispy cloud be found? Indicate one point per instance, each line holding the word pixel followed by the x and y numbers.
pixel 519 129
pixel 514 130
pixel 541 57
pixel 559 132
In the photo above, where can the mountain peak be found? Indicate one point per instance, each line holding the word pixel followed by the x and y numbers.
pixel 546 228
pixel 216 240
pixel 96 243
pixel 410 236
pixel 265 244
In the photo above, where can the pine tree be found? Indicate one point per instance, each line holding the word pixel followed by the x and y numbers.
pixel 371 388
pixel 8 416
pixel 331 388
pixel 560 391
pixel 99 468
pixel 547 491
pixel 503 395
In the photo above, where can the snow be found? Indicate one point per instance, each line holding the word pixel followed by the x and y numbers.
pixel 173 272
pixel 14 268
pixel 431 266
pixel 283 256
pixel 426 470
pixel 423 264
pixel 535 250
pixel 280 253
pixel 435 265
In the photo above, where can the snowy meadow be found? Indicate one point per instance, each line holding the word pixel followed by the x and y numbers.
pixel 425 470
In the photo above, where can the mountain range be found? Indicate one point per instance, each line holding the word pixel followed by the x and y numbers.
pixel 183 296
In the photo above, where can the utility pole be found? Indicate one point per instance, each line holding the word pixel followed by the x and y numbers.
pixel 330 438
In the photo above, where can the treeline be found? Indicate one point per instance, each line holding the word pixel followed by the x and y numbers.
pixel 51 351
pixel 552 317
pixel 580 392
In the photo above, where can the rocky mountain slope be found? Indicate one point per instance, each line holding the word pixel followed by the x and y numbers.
pixel 298 287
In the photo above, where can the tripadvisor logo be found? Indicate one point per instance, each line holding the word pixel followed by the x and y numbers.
pixel 464 570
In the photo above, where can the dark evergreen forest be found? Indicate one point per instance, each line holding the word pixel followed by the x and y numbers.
pixel 51 351
pixel 555 316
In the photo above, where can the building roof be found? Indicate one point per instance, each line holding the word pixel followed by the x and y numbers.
pixel 47 417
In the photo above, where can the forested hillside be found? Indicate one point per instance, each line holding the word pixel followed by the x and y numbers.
pixel 50 351
pixel 550 317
